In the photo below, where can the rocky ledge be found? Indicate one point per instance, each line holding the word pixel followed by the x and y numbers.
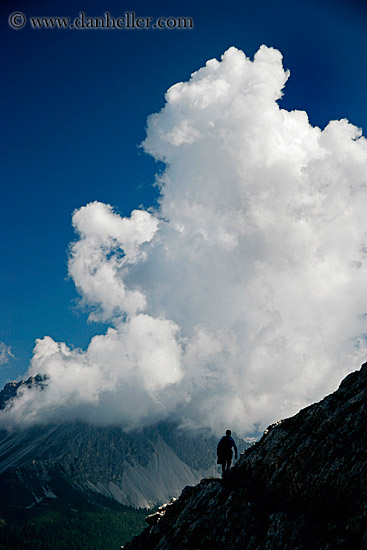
pixel 303 486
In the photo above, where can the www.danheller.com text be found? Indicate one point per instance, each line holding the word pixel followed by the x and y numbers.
pixel 129 20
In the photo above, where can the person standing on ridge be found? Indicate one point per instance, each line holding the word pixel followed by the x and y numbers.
pixel 224 451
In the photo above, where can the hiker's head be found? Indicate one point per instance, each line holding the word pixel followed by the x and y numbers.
pixel 228 432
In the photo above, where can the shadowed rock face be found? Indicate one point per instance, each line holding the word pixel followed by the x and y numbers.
pixel 303 486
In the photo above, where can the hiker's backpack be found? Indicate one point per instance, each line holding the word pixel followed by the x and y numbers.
pixel 224 447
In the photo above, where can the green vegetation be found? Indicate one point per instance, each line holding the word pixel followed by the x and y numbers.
pixel 93 529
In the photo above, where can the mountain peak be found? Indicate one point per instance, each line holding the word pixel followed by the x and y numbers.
pixel 10 390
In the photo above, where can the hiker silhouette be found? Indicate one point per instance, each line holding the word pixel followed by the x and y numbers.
pixel 224 451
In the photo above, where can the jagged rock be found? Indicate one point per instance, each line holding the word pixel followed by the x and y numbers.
pixel 11 389
pixel 303 486
pixel 153 519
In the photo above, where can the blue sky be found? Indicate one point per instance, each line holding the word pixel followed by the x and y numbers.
pixel 75 105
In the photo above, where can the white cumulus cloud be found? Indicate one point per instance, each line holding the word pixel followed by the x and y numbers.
pixel 243 297
pixel 107 245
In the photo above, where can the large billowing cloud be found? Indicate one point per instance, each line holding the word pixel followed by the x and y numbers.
pixel 244 296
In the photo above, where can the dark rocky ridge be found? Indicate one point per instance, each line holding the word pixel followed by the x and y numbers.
pixel 303 486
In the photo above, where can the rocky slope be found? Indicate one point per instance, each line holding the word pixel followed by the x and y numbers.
pixel 303 486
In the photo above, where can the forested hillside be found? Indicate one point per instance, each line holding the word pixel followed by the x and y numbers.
pixel 45 528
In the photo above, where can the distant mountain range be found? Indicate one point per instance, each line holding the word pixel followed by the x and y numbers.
pixel 101 465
